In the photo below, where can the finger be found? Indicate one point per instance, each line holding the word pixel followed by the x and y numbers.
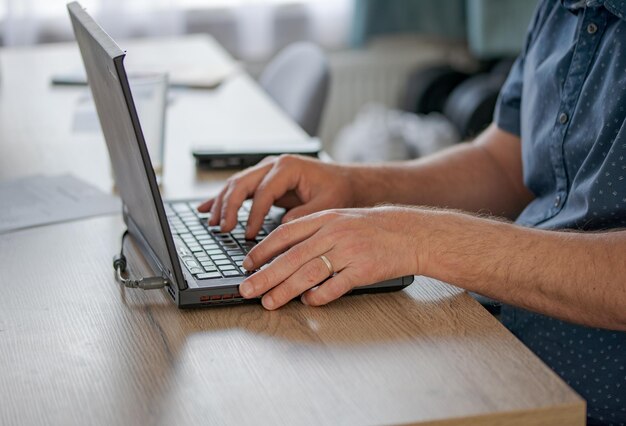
pixel 217 207
pixel 268 159
pixel 231 203
pixel 206 206
pixel 240 188
pixel 273 187
pixel 309 275
pixel 313 206
pixel 281 239
pixel 283 267
pixel 251 174
pixel 332 289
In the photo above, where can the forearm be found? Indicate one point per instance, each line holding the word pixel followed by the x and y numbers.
pixel 468 177
pixel 579 277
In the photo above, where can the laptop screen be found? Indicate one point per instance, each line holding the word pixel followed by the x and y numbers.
pixel 133 173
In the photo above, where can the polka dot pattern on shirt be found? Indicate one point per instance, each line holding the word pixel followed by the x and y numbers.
pixel 566 98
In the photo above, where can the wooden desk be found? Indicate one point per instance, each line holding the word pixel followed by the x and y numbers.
pixel 37 126
pixel 77 349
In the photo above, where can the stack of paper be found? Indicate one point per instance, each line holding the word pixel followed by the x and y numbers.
pixel 42 200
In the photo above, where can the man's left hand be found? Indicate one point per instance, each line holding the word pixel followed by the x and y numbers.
pixel 362 246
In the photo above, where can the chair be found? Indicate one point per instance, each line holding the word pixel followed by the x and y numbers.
pixel 297 79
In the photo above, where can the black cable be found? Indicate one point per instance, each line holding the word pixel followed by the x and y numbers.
pixel 119 261
pixel 122 276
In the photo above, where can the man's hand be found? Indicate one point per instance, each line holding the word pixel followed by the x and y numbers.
pixel 364 246
pixel 301 185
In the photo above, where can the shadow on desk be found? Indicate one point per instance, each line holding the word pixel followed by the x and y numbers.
pixel 406 315
pixel 427 309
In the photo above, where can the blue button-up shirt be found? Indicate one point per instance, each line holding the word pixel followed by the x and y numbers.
pixel 566 98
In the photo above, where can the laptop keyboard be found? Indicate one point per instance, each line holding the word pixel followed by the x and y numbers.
pixel 207 252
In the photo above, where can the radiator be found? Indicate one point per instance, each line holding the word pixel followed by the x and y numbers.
pixel 378 74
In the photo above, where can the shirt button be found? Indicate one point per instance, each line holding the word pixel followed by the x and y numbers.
pixel 557 201
pixel 592 28
pixel 563 118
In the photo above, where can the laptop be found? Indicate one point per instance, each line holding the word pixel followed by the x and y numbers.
pixel 242 154
pixel 201 264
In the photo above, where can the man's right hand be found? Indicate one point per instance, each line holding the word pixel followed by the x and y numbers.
pixel 299 184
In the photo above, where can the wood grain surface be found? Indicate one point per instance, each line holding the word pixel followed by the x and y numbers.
pixel 77 349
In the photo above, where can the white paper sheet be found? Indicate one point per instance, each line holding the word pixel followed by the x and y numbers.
pixel 42 200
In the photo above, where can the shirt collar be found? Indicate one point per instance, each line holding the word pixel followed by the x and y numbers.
pixel 616 7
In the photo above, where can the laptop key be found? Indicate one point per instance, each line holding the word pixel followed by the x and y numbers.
pixel 222 262
pixel 232 273
pixel 180 207
pixel 182 251
pixel 226 267
pixel 196 270
pixel 208 275
pixel 191 263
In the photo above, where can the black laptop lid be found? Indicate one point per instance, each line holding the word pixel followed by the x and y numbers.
pixel 132 169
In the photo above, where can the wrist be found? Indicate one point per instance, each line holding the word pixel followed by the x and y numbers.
pixel 465 250
pixel 435 247
pixel 409 227
pixel 362 186
pixel 425 223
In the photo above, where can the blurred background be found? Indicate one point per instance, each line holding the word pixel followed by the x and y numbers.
pixel 411 75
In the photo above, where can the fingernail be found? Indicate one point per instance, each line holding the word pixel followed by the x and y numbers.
pixel 303 300
pixel 268 302
pixel 222 223
pixel 247 264
pixel 245 288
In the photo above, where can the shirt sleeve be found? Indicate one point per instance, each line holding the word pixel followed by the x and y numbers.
pixel 508 105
